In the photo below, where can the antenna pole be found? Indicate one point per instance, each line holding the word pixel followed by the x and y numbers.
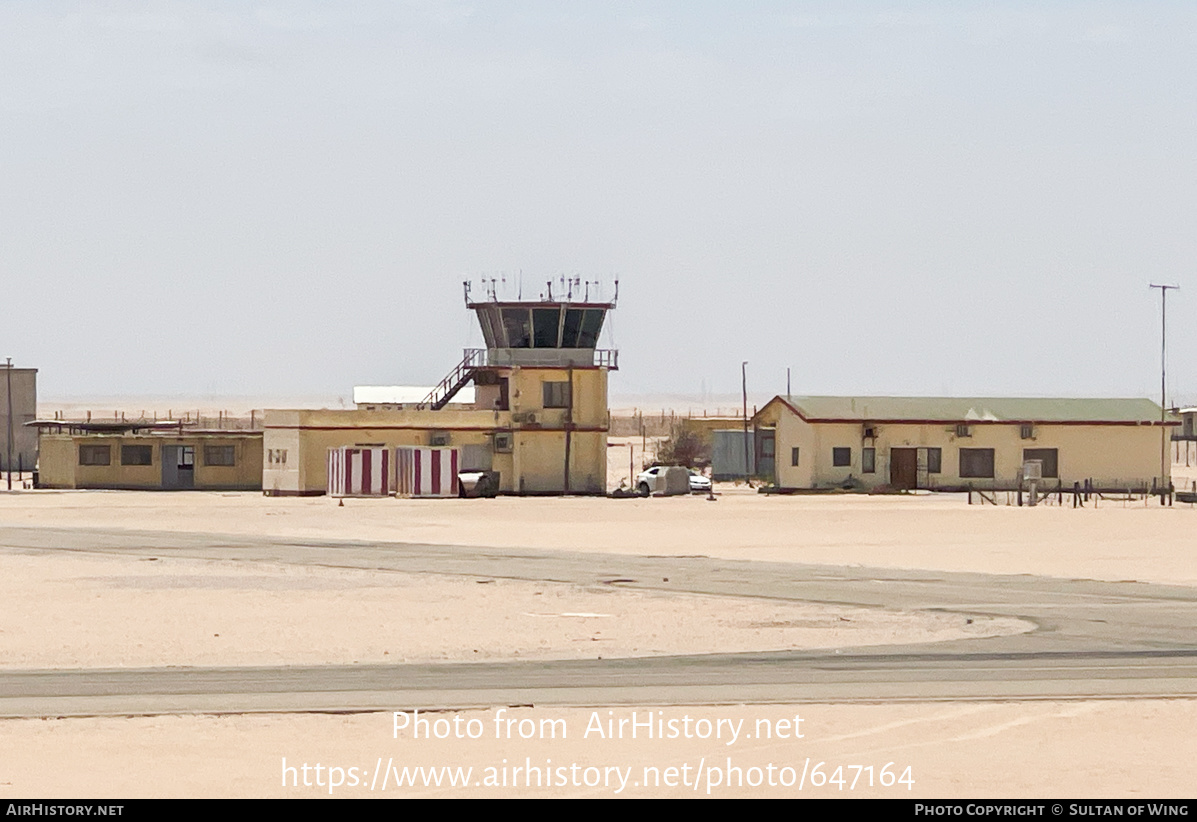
pixel 744 385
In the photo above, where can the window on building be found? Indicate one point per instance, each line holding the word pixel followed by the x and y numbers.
pixel 546 323
pixel 841 457
pixel 964 430
pixel 220 455
pixel 556 394
pixel 571 327
pixel 868 461
pixel 976 463
pixel 517 325
pixel 95 455
pixel 794 456
pixel 934 460
pixel 592 325
pixel 1048 456
pixel 1026 431
pixel 276 456
pixel 137 455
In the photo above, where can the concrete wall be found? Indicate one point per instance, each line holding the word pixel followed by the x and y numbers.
pixel 61 468
pixel 24 409
pixel 704 427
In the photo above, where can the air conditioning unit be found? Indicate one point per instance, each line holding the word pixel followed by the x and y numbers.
pixel 438 438
pixel 524 417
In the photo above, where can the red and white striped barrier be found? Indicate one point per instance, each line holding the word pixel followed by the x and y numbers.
pixel 359 472
pixel 427 472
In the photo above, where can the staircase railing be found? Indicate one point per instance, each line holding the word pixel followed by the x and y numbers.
pixel 444 391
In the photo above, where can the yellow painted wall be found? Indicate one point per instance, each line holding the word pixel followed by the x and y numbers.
pixel 536 464
pixel 791 432
pixel 59 462
pixel 704 427
pixel 1110 455
pixel 57 457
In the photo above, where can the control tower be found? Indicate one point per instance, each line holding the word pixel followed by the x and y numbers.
pixel 542 333
pixel 537 425
pixel 544 380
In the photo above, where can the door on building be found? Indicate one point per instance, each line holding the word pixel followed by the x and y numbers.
pixel 766 444
pixel 178 466
pixel 904 468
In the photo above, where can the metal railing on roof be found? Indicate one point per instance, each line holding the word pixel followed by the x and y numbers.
pixel 548 357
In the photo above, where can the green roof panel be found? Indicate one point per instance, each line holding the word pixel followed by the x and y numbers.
pixel 978 409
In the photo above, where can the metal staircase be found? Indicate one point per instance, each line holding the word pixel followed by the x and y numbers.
pixel 447 388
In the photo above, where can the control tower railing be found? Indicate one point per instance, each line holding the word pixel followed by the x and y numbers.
pixel 548 357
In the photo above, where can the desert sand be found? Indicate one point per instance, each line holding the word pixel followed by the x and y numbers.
pixel 1114 748
pixel 84 611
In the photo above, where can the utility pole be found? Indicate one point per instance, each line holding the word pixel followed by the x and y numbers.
pixel 1163 389
pixel 8 454
pixel 744 385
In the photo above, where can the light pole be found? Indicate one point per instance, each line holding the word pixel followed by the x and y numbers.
pixel 1163 362
pixel 744 386
pixel 8 394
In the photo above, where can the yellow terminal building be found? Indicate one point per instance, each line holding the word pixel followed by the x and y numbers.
pixel 539 419
pixel 143 456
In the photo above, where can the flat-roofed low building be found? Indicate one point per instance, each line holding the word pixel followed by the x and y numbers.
pixel 148 456
pixel 954 443
pixel 1188 424
pixel 405 397
pixel 23 402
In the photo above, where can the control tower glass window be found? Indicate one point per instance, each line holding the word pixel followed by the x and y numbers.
pixel 591 326
pixel 573 324
pixel 546 322
pixel 518 325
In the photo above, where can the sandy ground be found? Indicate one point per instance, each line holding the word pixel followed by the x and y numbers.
pixel 1142 748
pixel 1114 541
pixel 82 611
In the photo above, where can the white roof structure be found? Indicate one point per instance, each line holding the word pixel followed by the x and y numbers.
pixel 403 394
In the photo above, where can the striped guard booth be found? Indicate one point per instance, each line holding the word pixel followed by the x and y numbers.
pixel 427 472
pixel 359 472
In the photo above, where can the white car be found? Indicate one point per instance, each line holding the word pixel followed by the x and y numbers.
pixel 698 483
pixel 667 479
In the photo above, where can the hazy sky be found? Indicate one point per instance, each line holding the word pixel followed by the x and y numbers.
pixel 915 198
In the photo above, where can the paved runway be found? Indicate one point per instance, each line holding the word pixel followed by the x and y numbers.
pixel 1094 639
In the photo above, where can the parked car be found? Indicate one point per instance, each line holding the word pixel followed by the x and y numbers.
pixel 699 484
pixel 663 479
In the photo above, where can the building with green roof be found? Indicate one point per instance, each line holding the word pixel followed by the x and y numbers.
pixel 954 443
